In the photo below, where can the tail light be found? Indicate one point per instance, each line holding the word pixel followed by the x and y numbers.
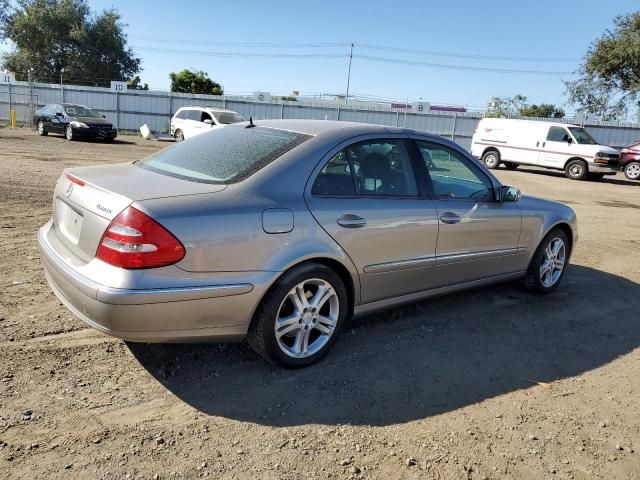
pixel 135 240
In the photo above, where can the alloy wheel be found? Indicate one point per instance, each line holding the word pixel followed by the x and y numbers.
pixel 307 318
pixel 633 171
pixel 40 128
pixel 553 262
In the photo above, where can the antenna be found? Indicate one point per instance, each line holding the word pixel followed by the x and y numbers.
pixel 251 124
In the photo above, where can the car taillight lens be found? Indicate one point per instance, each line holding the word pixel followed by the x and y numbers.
pixel 135 240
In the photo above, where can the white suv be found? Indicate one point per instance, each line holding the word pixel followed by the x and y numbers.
pixel 191 121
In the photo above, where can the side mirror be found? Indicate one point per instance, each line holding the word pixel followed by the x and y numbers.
pixel 510 194
pixel 104 116
pixel 567 138
pixel 59 114
pixel 208 121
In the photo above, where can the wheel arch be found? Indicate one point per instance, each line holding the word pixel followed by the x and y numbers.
pixel 492 148
pixel 576 158
pixel 565 228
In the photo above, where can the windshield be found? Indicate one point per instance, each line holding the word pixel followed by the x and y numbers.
pixel 80 111
pixel 582 136
pixel 227 118
pixel 225 155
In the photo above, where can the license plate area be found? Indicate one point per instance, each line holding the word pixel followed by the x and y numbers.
pixel 69 221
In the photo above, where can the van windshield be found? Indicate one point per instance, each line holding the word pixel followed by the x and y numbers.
pixel 582 136
pixel 225 155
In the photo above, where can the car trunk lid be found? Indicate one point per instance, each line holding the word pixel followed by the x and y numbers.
pixel 87 199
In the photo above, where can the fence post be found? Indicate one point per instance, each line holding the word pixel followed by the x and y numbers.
pixel 282 110
pixel 453 130
pixel 170 109
pixel 10 103
pixel 117 110
pixel 30 75
pixel 397 119
pixel 338 118
pixel 224 102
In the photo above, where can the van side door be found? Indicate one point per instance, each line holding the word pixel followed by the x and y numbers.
pixel 557 148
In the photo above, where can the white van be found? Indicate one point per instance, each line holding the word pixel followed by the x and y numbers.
pixel 543 144
pixel 191 121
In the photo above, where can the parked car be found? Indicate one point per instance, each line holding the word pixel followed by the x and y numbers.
pixel 551 145
pixel 74 122
pixel 630 161
pixel 280 231
pixel 191 121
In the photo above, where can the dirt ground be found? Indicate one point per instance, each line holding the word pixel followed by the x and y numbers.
pixel 488 384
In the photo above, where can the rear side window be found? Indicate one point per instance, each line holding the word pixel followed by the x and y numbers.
pixel 557 134
pixel 182 114
pixel 225 155
pixel 335 178
pixel 194 115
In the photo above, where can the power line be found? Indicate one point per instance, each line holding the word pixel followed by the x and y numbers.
pixel 458 67
pixel 464 55
pixel 240 44
pixel 209 53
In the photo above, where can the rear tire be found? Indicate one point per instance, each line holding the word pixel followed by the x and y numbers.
pixel 632 171
pixel 301 316
pixel 178 135
pixel 511 166
pixel 491 159
pixel 576 169
pixel 549 263
pixel 41 130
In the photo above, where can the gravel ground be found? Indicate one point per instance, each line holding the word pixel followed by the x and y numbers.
pixel 487 384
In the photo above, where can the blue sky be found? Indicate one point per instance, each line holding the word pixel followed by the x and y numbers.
pixel 542 29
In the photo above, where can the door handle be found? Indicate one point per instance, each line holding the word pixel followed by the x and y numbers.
pixel 537 143
pixel 450 218
pixel 351 221
pixel 543 144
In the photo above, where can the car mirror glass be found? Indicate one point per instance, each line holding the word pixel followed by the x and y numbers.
pixel 510 194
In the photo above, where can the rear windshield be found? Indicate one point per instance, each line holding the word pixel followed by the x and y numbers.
pixel 225 155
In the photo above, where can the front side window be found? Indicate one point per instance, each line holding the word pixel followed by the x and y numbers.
pixel 335 178
pixel 224 155
pixel 382 167
pixel 557 134
pixel 582 136
pixel 205 116
pixel 453 176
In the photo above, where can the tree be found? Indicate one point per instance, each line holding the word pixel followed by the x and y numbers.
pixel 609 81
pixel 5 13
pixel 136 84
pixel 64 36
pixel 544 110
pixel 188 81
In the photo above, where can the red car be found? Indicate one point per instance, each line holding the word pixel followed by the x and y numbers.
pixel 630 161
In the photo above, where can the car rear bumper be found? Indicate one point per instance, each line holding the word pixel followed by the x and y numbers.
pixel 182 314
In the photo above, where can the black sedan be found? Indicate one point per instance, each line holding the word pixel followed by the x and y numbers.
pixel 73 121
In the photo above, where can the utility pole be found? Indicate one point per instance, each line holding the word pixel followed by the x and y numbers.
pixel 30 75
pixel 61 87
pixel 346 99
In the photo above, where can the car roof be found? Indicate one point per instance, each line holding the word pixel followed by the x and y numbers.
pixel 211 109
pixel 522 121
pixel 322 127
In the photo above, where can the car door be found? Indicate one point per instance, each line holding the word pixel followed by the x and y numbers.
pixel 366 198
pixel 192 123
pixel 557 148
pixel 57 120
pixel 478 235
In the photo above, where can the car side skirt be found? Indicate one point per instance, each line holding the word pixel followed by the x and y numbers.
pixel 415 297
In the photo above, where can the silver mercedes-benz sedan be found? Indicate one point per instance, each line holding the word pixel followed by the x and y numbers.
pixel 280 231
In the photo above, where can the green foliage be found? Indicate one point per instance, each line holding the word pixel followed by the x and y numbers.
pixel 609 82
pixel 544 110
pixel 5 13
pixel 188 81
pixel 517 105
pixel 136 84
pixel 52 35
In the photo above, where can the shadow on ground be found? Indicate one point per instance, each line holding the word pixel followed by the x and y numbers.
pixel 416 361
pixel 611 179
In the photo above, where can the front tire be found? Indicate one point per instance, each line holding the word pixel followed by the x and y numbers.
pixel 491 159
pixel 68 133
pixel 632 171
pixel 576 169
pixel 548 264
pixel 41 130
pixel 300 318
pixel 179 136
